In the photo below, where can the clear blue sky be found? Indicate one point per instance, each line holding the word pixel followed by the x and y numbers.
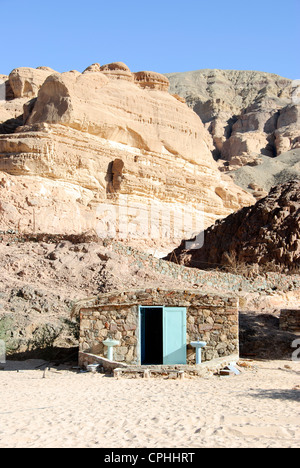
pixel 163 36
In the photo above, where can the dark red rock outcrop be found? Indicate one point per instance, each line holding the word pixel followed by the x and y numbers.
pixel 266 234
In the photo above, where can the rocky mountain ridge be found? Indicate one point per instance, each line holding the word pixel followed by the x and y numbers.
pixel 248 113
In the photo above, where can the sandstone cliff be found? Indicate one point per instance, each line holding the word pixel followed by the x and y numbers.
pixel 266 234
pixel 247 113
pixel 74 142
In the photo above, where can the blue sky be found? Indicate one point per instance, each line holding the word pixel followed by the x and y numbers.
pixel 164 36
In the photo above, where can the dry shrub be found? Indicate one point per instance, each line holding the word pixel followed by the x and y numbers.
pixel 251 270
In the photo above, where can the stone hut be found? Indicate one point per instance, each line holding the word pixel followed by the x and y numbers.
pixel 155 327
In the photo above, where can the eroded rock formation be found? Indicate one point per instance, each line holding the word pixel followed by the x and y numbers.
pixel 266 234
pixel 247 113
pixel 67 129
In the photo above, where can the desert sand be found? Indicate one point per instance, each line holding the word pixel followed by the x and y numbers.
pixel 258 408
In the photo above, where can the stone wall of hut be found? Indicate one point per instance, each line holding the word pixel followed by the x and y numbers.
pixel 211 318
pixel 290 320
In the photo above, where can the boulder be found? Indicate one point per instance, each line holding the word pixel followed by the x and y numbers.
pixel 117 70
pixel 26 82
pixel 152 80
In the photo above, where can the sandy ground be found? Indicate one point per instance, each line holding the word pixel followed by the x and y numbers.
pixel 259 408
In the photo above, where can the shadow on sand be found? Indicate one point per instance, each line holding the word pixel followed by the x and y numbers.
pixel 261 338
pixel 41 358
pixel 292 395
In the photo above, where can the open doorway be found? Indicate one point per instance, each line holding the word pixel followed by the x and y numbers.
pixel 151 335
pixel 163 335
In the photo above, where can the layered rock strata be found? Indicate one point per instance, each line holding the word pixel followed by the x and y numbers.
pixel 87 142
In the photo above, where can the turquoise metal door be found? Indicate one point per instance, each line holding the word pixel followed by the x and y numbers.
pixel 174 335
